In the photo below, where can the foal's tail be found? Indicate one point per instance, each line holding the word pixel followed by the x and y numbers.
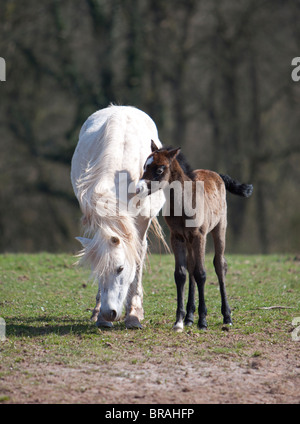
pixel 234 187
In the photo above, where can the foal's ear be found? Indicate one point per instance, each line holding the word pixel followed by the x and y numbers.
pixel 173 153
pixel 153 146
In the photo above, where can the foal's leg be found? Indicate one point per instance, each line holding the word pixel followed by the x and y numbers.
pixel 220 264
pixel 197 249
pixel 179 251
pixel 190 307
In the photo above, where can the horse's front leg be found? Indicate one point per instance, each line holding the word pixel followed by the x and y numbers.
pixel 134 301
pixel 179 251
pixel 96 316
pixel 96 310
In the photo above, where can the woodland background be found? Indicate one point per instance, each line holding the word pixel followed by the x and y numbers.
pixel 214 75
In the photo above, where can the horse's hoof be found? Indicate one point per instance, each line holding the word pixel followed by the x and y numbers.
pixel 94 316
pixel 101 323
pixel 132 322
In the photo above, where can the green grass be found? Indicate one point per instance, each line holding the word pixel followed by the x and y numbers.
pixel 46 302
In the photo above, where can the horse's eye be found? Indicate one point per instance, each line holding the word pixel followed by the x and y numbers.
pixel 160 170
pixel 120 269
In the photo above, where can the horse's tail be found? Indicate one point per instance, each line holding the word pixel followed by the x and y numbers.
pixel 234 187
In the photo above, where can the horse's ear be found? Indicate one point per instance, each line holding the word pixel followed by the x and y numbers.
pixel 173 153
pixel 153 146
pixel 128 237
pixel 84 241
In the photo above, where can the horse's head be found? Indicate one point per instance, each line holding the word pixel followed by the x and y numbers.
pixel 113 258
pixel 157 170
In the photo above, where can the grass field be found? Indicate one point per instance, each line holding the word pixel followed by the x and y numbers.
pixel 46 303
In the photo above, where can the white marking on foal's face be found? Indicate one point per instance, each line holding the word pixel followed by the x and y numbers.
pixel 148 162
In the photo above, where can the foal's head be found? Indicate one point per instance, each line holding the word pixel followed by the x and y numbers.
pixel 157 169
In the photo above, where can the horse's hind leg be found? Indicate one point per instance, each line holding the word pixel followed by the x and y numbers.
pixel 220 265
pixel 179 251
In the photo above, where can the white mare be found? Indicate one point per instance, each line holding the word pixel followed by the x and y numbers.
pixel 106 166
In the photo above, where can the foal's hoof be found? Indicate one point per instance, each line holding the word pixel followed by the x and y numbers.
pixel 132 322
pixel 178 327
pixel 227 324
pixel 202 326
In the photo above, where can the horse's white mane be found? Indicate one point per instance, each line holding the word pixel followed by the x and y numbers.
pixel 96 196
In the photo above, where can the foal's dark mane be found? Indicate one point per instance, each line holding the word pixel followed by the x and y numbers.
pixel 181 159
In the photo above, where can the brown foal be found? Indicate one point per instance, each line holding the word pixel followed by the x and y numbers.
pixel 207 197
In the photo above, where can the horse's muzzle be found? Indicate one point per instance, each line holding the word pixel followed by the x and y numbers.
pixel 109 315
pixel 142 188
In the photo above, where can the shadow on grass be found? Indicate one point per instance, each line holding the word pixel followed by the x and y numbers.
pixel 39 326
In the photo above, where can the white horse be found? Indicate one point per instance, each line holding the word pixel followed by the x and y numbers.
pixel 106 166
